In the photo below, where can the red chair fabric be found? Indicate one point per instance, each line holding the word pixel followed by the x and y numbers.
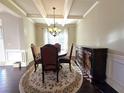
pixel 58 46
pixel 49 56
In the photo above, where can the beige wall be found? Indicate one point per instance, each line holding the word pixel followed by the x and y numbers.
pixel 40 34
pixel 104 26
pixel 71 35
pixel 29 37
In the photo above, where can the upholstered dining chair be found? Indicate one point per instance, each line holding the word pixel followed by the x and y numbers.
pixel 58 46
pixel 67 59
pixel 49 55
pixel 36 56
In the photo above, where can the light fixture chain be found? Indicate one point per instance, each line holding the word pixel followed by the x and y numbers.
pixel 54 15
pixel 54 30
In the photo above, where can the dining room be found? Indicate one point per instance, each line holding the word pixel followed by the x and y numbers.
pixel 95 27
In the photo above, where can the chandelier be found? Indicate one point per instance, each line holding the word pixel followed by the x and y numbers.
pixel 54 30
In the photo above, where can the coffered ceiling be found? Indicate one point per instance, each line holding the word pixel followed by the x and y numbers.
pixel 40 11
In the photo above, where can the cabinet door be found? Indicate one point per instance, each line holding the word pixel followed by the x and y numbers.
pixel 99 65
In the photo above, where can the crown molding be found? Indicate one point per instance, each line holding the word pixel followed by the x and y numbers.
pixel 34 16
pixel 56 16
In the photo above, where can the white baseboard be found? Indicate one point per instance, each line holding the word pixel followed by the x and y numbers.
pixel 115 85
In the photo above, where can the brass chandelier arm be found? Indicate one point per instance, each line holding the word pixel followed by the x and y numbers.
pixel 54 30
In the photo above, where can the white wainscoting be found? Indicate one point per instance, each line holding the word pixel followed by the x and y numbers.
pixel 14 55
pixel 115 71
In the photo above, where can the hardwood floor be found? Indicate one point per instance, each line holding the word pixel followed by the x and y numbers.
pixel 87 87
pixel 9 81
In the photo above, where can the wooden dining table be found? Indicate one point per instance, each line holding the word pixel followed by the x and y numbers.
pixel 62 53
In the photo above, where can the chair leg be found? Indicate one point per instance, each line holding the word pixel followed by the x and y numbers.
pixel 35 67
pixel 43 76
pixel 57 76
pixel 70 66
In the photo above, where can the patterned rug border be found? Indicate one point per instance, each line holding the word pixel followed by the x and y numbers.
pixel 75 85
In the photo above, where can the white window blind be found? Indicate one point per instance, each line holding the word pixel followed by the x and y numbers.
pixel 61 38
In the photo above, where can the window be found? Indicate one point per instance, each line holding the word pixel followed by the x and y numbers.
pixel 61 38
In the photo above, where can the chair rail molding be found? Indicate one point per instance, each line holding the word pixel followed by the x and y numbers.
pixel 115 71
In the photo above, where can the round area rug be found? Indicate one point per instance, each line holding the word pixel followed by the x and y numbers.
pixel 69 82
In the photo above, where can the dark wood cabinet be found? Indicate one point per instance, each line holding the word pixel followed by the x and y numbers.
pixel 93 62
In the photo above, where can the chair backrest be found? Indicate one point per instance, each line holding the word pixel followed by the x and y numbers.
pixel 71 51
pixel 35 51
pixel 49 55
pixel 58 46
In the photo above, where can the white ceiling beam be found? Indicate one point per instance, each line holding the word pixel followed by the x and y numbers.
pixel 14 7
pixel 90 9
pixel 40 8
pixel 34 16
pixel 19 8
pixel 67 8
pixel 51 17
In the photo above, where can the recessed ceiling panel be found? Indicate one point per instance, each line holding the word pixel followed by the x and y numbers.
pixel 27 5
pixel 58 4
pixel 79 7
